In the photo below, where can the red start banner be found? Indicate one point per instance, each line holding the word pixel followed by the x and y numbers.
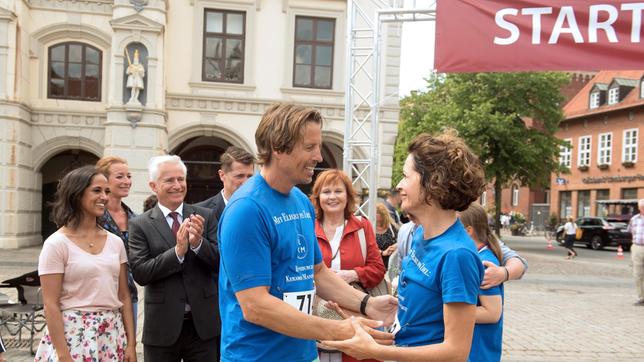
pixel 532 35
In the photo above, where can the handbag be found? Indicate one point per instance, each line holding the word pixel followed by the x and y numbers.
pixel 383 288
pixel 579 232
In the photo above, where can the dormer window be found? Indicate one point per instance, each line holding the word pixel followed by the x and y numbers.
pixel 597 96
pixel 613 95
pixel 594 100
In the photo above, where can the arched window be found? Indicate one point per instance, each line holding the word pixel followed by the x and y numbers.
pixel 515 195
pixel 74 72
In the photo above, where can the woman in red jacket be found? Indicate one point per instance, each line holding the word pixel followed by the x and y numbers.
pixel 339 235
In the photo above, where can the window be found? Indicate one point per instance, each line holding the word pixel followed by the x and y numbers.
pixel 515 195
pixel 594 100
pixel 613 95
pixel 565 204
pixel 602 209
pixel 630 193
pixel 583 158
pixel 223 46
pixel 313 55
pixel 642 88
pixel 484 198
pixel 74 72
pixel 565 153
pixel 629 151
pixel 605 149
pixel 583 203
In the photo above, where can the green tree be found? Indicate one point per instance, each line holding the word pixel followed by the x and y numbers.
pixel 508 119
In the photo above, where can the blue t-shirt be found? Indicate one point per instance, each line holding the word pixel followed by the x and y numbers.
pixel 444 269
pixel 266 239
pixel 487 341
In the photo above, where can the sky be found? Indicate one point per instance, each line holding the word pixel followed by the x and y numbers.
pixel 417 55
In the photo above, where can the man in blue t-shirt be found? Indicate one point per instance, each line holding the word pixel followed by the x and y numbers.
pixel 271 267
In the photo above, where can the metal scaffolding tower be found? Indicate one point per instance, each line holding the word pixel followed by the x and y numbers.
pixel 365 19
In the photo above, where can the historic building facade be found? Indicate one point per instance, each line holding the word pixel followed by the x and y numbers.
pixel 603 126
pixel 203 71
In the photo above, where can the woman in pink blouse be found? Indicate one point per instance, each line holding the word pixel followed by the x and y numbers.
pixel 83 276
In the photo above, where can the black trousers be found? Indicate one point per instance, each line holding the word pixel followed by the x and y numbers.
pixel 188 347
pixel 569 241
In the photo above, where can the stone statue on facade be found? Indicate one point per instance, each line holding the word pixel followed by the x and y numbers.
pixel 135 74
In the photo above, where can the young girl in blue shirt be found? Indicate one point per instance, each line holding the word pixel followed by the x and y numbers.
pixel 488 331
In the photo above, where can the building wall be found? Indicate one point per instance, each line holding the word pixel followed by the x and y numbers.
pixel 179 105
pixel 594 178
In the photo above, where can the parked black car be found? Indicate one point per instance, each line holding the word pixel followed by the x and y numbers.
pixel 599 232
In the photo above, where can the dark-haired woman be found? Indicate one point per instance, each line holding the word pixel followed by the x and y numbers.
pixel 83 276
pixel 439 283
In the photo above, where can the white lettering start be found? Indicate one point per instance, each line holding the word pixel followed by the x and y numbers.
pixel 601 17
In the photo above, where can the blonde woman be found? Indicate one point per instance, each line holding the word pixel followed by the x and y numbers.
pixel 570 231
pixel 385 233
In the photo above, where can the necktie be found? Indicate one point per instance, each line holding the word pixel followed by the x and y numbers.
pixel 175 222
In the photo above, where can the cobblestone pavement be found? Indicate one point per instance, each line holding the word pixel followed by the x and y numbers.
pixel 562 310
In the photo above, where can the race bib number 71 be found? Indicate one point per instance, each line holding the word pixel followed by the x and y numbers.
pixel 302 301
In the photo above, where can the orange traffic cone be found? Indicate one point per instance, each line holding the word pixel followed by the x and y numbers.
pixel 620 252
pixel 549 244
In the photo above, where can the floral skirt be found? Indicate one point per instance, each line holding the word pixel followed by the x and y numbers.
pixel 91 336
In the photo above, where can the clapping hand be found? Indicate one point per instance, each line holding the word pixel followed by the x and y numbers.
pixel 182 239
pixel 195 229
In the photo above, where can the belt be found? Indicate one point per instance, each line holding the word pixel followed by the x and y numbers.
pixel 187 315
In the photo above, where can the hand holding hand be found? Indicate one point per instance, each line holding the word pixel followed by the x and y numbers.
pixel 382 308
pixel 494 275
pixel 362 345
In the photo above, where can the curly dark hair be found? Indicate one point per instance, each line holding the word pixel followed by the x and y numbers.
pixel 450 173
pixel 66 208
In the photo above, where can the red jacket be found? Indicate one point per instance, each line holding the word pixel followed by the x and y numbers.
pixel 371 272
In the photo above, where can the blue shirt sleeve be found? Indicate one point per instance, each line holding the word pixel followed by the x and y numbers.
pixel 488 255
pixel 245 237
pixel 461 276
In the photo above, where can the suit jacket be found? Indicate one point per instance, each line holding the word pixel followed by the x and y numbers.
pixel 215 203
pixel 169 285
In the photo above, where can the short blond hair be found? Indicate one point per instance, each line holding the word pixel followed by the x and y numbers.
pixel 281 127
pixel 103 165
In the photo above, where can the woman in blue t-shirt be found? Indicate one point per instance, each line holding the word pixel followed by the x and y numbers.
pixel 439 284
pixel 488 332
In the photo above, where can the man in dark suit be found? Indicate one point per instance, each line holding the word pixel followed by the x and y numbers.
pixel 173 253
pixel 236 167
